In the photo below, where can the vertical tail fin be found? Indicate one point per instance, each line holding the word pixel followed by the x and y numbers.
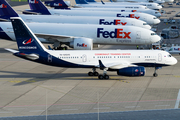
pixel 58 4
pixel 81 2
pixel 6 10
pixel 27 42
pixel 38 6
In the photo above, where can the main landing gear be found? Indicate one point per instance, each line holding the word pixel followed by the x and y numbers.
pixel 94 73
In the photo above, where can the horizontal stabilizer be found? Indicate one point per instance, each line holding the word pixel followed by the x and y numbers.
pixel 11 50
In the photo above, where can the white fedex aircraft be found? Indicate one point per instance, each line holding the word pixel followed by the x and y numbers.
pixel 124 62
pixel 62 5
pixel 150 19
pixel 147 11
pixel 40 8
pixel 154 1
pixel 83 36
pixel 154 6
pixel 7 12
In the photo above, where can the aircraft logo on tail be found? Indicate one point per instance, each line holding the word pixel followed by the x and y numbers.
pixel 136 70
pixel 3 6
pixel 58 4
pixel 33 1
pixel 25 42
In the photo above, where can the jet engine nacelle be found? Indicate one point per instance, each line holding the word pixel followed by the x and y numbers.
pixel 132 71
pixel 82 44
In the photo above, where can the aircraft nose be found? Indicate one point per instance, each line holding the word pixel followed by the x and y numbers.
pixel 156 39
pixel 147 27
pixel 160 7
pixel 157 21
pixel 174 61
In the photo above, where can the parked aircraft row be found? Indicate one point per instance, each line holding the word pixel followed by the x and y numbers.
pixel 76 35
pixel 38 7
pixel 62 5
pixel 124 62
pixel 83 36
pixel 92 3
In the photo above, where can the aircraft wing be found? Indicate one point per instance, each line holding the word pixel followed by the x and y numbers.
pixel 52 36
pixel 111 64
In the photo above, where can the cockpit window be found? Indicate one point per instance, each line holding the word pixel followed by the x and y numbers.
pixel 154 17
pixel 156 12
pixel 145 24
pixel 169 55
pixel 153 34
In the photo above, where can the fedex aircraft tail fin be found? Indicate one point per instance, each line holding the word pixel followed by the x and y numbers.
pixel 37 7
pixel 26 40
pixel 81 2
pixel 6 11
pixel 58 4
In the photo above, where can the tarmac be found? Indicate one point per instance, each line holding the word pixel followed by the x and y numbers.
pixel 32 89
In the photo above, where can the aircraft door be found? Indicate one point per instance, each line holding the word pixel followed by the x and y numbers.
pixel 138 35
pixel 49 58
pixel 84 58
pixel 159 57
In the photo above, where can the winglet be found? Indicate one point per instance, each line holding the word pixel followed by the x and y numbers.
pixel 101 65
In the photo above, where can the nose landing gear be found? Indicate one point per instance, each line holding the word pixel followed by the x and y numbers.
pixel 155 74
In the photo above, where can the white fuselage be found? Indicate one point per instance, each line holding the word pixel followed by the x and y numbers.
pixel 129 35
pixel 150 19
pixel 154 1
pixel 127 57
pixel 85 20
pixel 148 11
pixel 110 6
pixel 148 5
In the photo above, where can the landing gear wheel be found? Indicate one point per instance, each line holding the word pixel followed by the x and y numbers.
pixel 100 77
pixel 106 76
pixel 90 73
pixel 155 74
pixel 95 73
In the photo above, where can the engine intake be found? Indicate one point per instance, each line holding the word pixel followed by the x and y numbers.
pixel 132 71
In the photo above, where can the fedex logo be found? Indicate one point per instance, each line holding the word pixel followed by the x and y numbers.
pixel 33 1
pixel 133 10
pixel 81 45
pixel 57 4
pixel 3 6
pixel 115 22
pixel 177 49
pixel 118 33
pixel 129 16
